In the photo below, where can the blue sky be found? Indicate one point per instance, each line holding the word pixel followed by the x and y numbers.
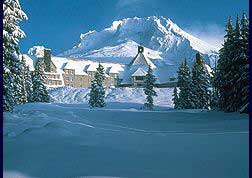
pixel 57 24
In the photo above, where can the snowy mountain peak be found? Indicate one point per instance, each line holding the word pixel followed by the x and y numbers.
pixel 160 35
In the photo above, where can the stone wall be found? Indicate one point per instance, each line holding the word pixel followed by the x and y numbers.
pixel 81 81
pixel 84 81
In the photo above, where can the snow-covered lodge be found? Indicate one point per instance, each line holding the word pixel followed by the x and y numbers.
pixel 79 72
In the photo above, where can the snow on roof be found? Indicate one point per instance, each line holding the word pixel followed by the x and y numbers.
pixel 115 69
pixel 139 72
pixel 59 63
pixel 140 59
pixel 77 65
pixel 92 67
pixel 82 66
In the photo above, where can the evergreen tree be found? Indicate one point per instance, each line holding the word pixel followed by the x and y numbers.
pixel 234 98
pixel 28 84
pixel 149 88
pixel 8 97
pixel 232 69
pixel 201 84
pixel 214 92
pixel 12 15
pixel 97 92
pixel 185 86
pixel 244 63
pixel 40 93
pixel 175 98
pixel 23 92
pixel 224 73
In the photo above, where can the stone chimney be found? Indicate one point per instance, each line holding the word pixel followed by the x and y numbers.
pixel 47 59
pixel 140 49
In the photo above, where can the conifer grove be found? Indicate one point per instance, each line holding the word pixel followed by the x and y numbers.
pixel 226 87
pixel 17 79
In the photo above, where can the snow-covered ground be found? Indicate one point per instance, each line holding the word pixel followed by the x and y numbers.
pixel 71 140
pixel 72 95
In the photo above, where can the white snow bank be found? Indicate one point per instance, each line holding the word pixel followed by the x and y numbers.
pixel 72 95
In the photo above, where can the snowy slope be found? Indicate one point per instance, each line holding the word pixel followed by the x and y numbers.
pixel 163 40
pixel 42 140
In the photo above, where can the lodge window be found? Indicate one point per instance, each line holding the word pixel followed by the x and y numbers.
pixel 139 77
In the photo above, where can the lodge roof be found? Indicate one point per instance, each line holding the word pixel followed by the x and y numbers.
pixel 139 72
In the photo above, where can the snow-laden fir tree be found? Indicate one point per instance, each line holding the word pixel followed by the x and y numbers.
pixel 200 84
pixel 234 97
pixel 149 89
pixel 12 15
pixel 97 92
pixel 244 63
pixel 232 69
pixel 27 78
pixel 23 92
pixel 28 84
pixel 214 92
pixel 8 98
pixel 40 93
pixel 185 86
pixel 175 98
pixel 224 74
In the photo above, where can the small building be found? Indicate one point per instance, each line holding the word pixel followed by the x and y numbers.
pixel 136 70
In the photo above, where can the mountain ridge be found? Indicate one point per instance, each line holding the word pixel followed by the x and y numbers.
pixel 164 41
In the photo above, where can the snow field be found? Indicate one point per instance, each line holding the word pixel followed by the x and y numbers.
pixel 72 140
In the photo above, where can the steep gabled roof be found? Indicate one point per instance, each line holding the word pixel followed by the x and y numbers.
pixel 140 59
pixel 139 72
